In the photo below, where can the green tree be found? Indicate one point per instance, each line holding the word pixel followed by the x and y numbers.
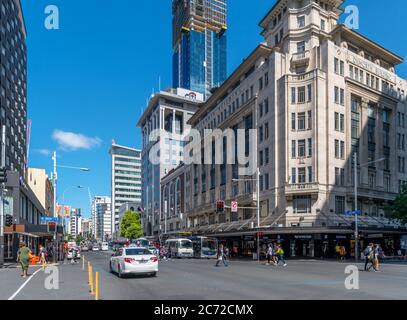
pixel 79 239
pixel 398 210
pixel 130 225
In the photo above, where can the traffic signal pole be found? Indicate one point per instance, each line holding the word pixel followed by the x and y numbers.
pixel 2 186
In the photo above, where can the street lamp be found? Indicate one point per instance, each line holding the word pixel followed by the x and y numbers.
pixel 55 178
pixel 355 159
pixel 258 206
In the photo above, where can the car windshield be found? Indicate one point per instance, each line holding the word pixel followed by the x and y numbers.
pixel 136 252
pixel 186 244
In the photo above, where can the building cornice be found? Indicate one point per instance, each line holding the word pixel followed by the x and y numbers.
pixel 368 44
pixel 260 51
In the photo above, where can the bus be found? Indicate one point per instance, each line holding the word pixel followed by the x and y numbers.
pixel 204 247
pixel 142 241
pixel 180 248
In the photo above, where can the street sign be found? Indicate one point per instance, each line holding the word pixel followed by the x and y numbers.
pixel 45 220
pixel 234 206
pixel 352 213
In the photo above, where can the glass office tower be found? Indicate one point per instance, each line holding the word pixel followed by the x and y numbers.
pixel 199 44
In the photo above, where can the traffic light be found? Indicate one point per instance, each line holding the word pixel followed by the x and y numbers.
pixel 9 220
pixel 51 227
pixel 3 175
pixel 220 206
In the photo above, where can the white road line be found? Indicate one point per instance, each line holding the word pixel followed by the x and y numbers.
pixel 23 285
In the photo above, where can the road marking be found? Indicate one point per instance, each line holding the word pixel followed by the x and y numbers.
pixel 23 285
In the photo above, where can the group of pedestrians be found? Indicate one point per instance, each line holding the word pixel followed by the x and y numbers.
pixel 275 255
pixel 223 255
pixel 372 254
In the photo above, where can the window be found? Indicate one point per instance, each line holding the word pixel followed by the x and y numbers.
pixel 301 121
pixel 293 95
pixel 293 121
pixel 266 79
pixel 309 120
pixel 323 24
pixel 342 150
pixel 302 204
pixel 266 156
pixel 266 130
pixel 336 121
pixel 266 181
pixel 310 175
pixel 301 94
pixel 342 68
pixel 342 123
pixel 372 180
pixel 310 147
pixel 342 97
pixel 293 175
pixel 261 84
pixel 260 110
pixel 339 205
pixel 266 106
pixel 339 177
pixel 402 165
pixel 301 47
pixel 336 95
pixel 301 175
pixel 309 87
pixel 336 65
pixel 301 148
pixel 301 22
pixel 293 149
pixel 261 158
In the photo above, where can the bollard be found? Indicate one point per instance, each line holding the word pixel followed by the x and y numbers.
pixel 92 292
pixel 88 272
pixel 97 286
pixel 83 263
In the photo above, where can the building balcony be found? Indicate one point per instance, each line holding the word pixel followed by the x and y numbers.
pixel 300 58
pixel 301 188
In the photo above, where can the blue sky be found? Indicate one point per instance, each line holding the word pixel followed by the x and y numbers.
pixel 92 76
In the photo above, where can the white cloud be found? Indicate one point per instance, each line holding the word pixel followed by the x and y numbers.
pixel 70 141
pixel 43 152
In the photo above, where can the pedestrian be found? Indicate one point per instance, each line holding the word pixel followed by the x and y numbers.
pixel 369 256
pixel 325 251
pixel 342 253
pixel 221 256
pixel 337 251
pixel 280 255
pixel 23 257
pixel 169 253
pixel 377 254
pixel 269 254
pixel 42 252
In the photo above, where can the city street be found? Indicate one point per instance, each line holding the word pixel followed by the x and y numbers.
pixel 200 280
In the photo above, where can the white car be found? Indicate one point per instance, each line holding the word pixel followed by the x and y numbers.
pixel 70 253
pixel 133 261
pixel 105 246
pixel 95 248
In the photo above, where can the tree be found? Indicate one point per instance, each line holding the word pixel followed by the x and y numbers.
pixel 130 225
pixel 79 239
pixel 398 210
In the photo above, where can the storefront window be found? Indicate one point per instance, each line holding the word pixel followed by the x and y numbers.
pixel 302 204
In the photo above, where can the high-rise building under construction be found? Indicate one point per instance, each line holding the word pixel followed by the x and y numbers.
pixel 199 44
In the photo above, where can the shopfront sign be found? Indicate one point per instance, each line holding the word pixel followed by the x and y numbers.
pixel 303 237
pixel 45 220
pixel 377 235
pixel 341 237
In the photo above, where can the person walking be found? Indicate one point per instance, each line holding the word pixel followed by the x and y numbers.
pixel 342 253
pixel 42 252
pixel 337 251
pixel 377 254
pixel 280 255
pixel 23 257
pixel 369 256
pixel 221 256
pixel 269 254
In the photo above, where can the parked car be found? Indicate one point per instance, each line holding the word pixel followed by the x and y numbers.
pixel 104 246
pixel 133 261
pixel 95 248
pixel 85 248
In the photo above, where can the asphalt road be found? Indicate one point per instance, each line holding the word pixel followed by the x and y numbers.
pixel 200 280
pixel 242 280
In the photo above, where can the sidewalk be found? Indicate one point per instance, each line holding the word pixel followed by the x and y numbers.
pixel 72 284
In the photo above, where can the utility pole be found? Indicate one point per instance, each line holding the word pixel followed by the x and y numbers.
pixel 55 177
pixel 355 159
pixel 258 211
pixel 2 186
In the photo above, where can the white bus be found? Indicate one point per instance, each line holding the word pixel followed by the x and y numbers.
pixel 180 248
pixel 204 247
